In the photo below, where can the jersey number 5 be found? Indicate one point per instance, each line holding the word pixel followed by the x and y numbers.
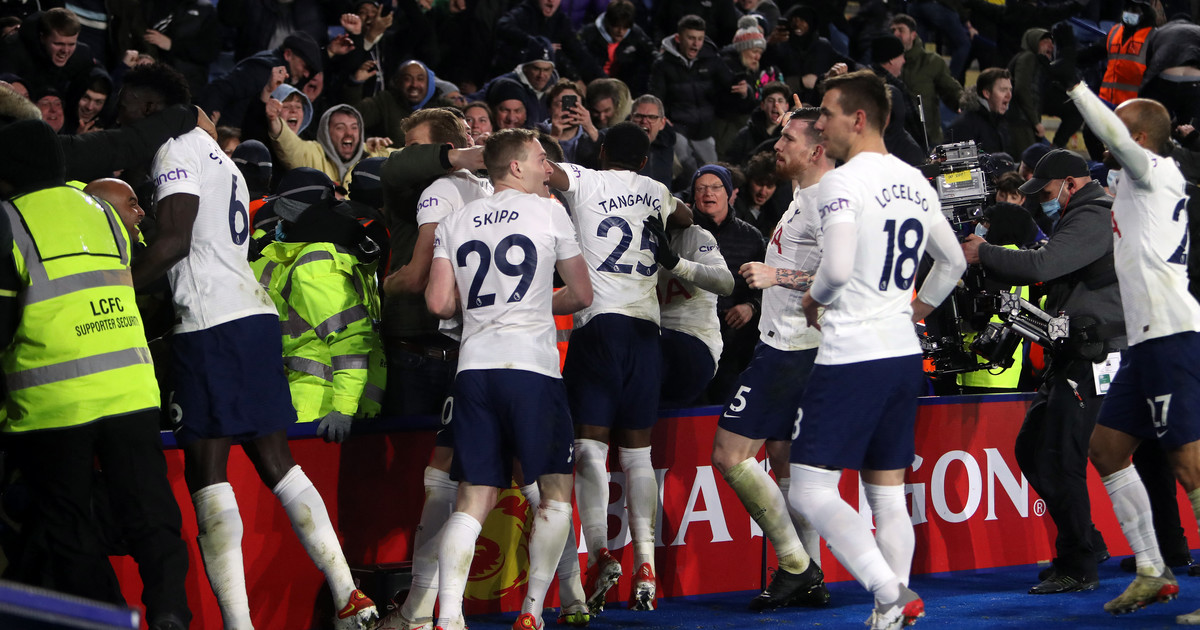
pixel 523 270
pixel 904 264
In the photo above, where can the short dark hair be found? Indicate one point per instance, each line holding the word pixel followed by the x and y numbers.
pixel 760 168
pixel 602 88
pixel 445 127
pixel 625 145
pixel 226 133
pixel 988 78
pixel 906 20
pixel 59 20
pixel 809 115
pixel 562 86
pixel 691 22
pixel 479 105
pixel 100 83
pixel 777 87
pixel 553 149
pixel 1009 183
pixel 162 79
pixel 863 90
pixel 620 14
pixel 503 147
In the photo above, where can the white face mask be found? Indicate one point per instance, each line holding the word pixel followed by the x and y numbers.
pixel 1131 18
pixel 1114 178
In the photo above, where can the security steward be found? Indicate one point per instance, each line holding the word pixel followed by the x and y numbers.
pixel 81 388
pixel 1077 264
pixel 320 272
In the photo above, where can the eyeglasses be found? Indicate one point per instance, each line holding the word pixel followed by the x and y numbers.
pixel 700 190
pixel 646 117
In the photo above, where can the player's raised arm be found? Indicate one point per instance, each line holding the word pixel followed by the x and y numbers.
pixel 559 180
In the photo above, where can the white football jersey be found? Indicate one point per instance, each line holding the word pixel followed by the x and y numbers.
pixel 795 244
pixel 894 211
pixel 444 196
pixel 1151 249
pixel 684 306
pixel 503 249
pixel 608 208
pixel 213 284
pixel 449 193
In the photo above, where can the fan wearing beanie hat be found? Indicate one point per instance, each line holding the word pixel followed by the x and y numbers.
pixel 744 58
pixel 887 60
pixel 749 34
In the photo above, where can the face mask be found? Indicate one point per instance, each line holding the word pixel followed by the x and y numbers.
pixel 279 235
pixel 1131 18
pixel 980 230
pixel 1053 207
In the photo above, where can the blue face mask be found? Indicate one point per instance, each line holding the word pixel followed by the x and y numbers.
pixel 1053 207
pixel 279 236
pixel 980 230
pixel 1131 18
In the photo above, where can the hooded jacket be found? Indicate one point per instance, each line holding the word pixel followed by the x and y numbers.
pixel 22 54
pixel 320 154
pixel 691 90
pixel 926 75
pixel 384 113
pixel 535 102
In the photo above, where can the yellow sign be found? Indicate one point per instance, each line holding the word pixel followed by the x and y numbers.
pixel 955 178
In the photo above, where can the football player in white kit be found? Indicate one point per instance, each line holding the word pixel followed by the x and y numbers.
pixel 879 216
pixel 613 366
pixel 764 405
pixel 495 258
pixel 227 357
pixel 1156 392
pixel 691 274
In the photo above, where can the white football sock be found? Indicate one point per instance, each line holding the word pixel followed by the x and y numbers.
pixel 807 533
pixel 457 550
pixel 641 500
pixel 220 539
pixel 893 527
pixel 440 495
pixel 570 587
pixel 310 520
pixel 815 493
pixel 766 505
pixel 1132 506
pixel 550 527
pixel 591 493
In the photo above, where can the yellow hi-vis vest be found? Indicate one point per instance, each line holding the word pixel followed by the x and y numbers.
pixel 79 353
pixel 328 305
pixel 1007 378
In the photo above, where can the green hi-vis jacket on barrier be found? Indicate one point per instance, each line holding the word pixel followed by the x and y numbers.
pixel 328 305
pixel 79 353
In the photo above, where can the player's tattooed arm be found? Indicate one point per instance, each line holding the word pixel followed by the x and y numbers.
pixel 760 276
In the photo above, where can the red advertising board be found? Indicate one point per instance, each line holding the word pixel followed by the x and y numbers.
pixel 971 508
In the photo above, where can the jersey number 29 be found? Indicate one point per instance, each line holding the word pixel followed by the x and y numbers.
pixel 523 270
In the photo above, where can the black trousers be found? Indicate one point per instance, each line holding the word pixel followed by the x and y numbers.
pixel 1052 449
pixel 63 545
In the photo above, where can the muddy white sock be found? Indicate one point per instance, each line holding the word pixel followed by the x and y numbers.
pixel 766 505
pixel 591 493
pixel 220 540
pixel 310 520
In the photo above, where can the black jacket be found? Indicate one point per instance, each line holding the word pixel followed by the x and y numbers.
pixel 660 164
pixel 691 91
pixel 520 27
pixel 195 38
pixel 749 137
pixel 254 22
pixel 740 243
pixel 976 122
pixel 632 59
pixel 239 89
pixel 896 137
pixel 22 54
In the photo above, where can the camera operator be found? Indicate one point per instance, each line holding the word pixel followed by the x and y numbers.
pixel 1077 263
